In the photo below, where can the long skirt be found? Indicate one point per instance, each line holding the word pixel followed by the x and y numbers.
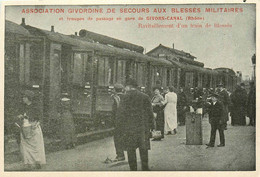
pixel 170 116
pixel 32 149
pixel 160 122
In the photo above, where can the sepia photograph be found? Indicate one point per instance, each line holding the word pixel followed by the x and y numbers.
pixel 129 87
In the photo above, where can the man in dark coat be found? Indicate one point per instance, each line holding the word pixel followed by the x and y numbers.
pixel 251 104
pixel 136 120
pixel 225 99
pixel 239 108
pixel 182 106
pixel 117 97
pixel 216 120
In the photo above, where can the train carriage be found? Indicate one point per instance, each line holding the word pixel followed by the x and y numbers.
pixel 115 65
pixel 86 67
pixel 23 67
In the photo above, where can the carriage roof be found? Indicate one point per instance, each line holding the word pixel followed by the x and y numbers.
pixel 102 49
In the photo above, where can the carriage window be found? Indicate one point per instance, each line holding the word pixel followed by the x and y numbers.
pixel 101 72
pixel 111 70
pixel 21 55
pixel 164 76
pixel 121 71
pixel 144 74
pixel 35 64
pixel 139 74
pixel 199 80
pixel 158 76
pixel 88 69
pixel 189 79
pixel 168 77
pixel 78 69
pixel 105 71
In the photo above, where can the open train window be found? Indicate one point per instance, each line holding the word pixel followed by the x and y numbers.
pixel 78 69
pixel 121 70
pixel 106 67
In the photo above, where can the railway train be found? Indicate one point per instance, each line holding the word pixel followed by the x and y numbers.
pixel 85 67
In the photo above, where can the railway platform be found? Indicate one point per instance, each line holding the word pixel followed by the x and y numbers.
pixel 12 152
pixel 170 154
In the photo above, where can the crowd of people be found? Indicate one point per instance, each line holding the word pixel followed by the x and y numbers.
pixel 136 116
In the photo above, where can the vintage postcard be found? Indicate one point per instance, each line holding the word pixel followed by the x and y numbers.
pixel 125 86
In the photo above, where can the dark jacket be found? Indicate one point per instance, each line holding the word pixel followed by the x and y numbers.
pixel 116 102
pixel 182 100
pixel 135 118
pixel 216 113
pixel 225 97
pixel 251 103
pixel 239 101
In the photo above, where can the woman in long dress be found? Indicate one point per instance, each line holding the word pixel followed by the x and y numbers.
pixel 32 144
pixel 170 112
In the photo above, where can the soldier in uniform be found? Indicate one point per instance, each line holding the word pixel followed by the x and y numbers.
pixel 216 120
pixel 136 118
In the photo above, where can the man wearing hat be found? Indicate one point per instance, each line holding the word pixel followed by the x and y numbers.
pixel 117 97
pixel 216 120
pixel 136 119
pixel 225 99
pixel 182 105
